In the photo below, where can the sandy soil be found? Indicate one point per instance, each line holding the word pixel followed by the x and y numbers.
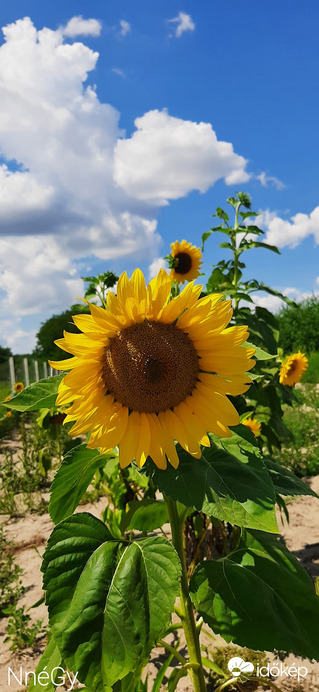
pixel 30 535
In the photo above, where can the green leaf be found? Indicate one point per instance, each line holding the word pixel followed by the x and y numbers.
pixel 243 296
pixel 255 230
pixel 259 353
pixel 250 244
pixel 176 675
pixel 215 280
pixel 221 485
pixel 247 214
pixel 91 279
pixel 72 479
pixel 221 214
pixel 157 684
pixel 38 395
pixel 273 292
pixel 145 515
pixel 259 596
pixel 50 659
pixel 109 601
pixel 233 201
pixel 226 245
pixel 285 482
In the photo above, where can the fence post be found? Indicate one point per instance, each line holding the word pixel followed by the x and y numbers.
pixel 51 372
pixel 36 371
pixel 12 373
pixel 45 369
pixel 26 372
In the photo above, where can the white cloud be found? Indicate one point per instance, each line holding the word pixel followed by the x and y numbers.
pixel 155 266
pixel 125 27
pixel 76 191
pixel 77 26
pixel 183 23
pixel 265 180
pixel 20 340
pixel 283 232
pixel 175 156
pixel 275 304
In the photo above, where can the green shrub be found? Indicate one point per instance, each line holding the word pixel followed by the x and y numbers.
pixel 299 327
pixel 312 373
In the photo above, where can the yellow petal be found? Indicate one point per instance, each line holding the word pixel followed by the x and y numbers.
pixel 178 431
pixel 156 442
pixel 158 292
pixel 127 445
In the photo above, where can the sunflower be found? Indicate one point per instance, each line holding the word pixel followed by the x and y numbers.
pixel 292 369
pixel 18 387
pixel 253 424
pixel 149 370
pixel 8 414
pixel 184 261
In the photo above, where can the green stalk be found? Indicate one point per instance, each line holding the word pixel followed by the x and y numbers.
pixel 235 253
pixel 186 609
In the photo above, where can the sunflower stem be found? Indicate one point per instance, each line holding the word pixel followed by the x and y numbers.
pixel 186 608
pixel 235 253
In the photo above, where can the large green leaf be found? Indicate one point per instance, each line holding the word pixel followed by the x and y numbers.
pixel 145 515
pixel 220 484
pixel 72 480
pixel 38 395
pixel 285 482
pixel 109 601
pixel 51 659
pixel 259 596
pixel 259 354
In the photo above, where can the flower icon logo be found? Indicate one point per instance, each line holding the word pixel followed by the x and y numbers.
pixel 238 666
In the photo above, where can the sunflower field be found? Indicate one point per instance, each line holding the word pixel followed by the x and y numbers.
pixel 172 408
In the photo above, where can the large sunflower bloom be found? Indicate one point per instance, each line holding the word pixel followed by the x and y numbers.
pixel 253 424
pixel 293 368
pixel 185 261
pixel 148 371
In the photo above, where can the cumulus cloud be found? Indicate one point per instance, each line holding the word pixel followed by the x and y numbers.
pixel 155 266
pixel 274 304
pixel 75 191
pixel 183 23
pixel 18 339
pixel 175 156
pixel 266 180
pixel 125 27
pixel 77 26
pixel 284 232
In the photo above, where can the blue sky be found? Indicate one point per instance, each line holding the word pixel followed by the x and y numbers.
pixel 85 188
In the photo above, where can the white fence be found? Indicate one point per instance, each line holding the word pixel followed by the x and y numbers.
pixel 31 371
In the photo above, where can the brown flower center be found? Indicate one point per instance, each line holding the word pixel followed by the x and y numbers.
pixel 150 367
pixel 184 263
pixel 292 368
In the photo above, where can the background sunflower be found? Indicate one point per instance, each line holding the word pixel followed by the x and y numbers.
pixel 184 261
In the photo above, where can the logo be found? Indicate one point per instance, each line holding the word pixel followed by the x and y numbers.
pixel 238 666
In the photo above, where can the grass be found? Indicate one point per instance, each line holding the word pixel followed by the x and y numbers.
pixel 302 455
pixel 5 389
pixel 312 373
